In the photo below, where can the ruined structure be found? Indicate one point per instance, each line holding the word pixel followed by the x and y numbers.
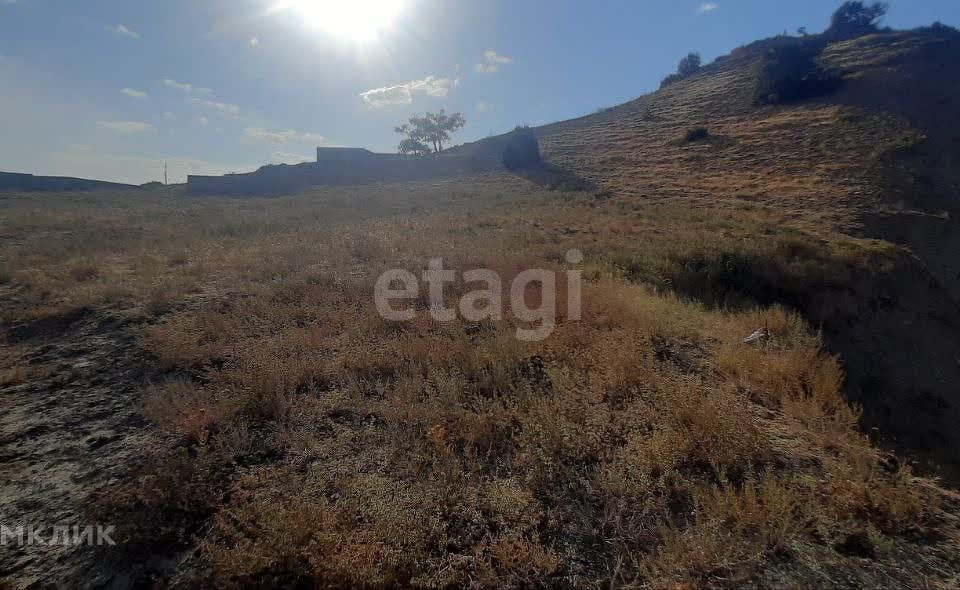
pixel 349 166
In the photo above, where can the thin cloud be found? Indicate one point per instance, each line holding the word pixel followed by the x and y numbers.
pixel 221 107
pixel 403 94
pixel 203 121
pixel 254 42
pixel 126 127
pixel 125 31
pixel 492 62
pixel 133 93
pixel 314 138
pixel 707 7
pixel 186 88
pixel 282 137
pixel 483 106
pixel 267 136
pixel 183 87
pixel 387 96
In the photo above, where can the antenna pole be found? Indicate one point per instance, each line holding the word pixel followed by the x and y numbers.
pixel 164 173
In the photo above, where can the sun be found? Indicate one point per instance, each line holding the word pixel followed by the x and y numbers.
pixel 353 20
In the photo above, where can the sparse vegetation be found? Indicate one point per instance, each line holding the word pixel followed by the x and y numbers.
pixel 793 73
pixel 856 18
pixel 429 131
pixel 12 375
pixel 696 134
pixel 522 150
pixel 687 67
pixel 299 440
pixel 939 27
pixel 318 442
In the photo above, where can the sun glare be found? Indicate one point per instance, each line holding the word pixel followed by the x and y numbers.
pixel 354 20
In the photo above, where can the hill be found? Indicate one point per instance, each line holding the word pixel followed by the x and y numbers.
pixel 214 376
pixel 876 159
pixel 16 182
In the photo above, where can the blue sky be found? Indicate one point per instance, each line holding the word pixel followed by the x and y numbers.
pixel 111 89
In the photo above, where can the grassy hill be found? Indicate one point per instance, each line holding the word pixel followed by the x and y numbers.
pixel 876 159
pixel 212 376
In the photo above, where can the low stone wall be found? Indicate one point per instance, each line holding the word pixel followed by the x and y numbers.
pixel 343 167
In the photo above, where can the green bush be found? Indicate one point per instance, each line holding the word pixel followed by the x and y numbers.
pixel 671 79
pixel 792 73
pixel 940 28
pixel 855 19
pixel 687 67
pixel 697 134
pixel 522 150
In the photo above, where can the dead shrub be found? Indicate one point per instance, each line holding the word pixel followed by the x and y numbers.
pixel 715 429
pixel 517 562
pixel 13 376
pixel 159 299
pixel 733 527
pixel 179 406
pixel 84 270
pixel 893 502
pixel 162 503
pixel 696 134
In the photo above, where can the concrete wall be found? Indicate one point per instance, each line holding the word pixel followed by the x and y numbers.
pixel 344 167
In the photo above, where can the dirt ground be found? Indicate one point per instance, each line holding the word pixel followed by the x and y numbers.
pixel 71 431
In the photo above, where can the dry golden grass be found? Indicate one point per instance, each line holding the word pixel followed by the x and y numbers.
pixel 817 163
pixel 13 375
pixel 313 443
pixel 643 445
pixel 14 368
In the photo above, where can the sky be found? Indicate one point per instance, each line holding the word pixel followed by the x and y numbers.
pixel 112 89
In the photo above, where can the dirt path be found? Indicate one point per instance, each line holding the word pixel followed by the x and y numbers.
pixel 64 436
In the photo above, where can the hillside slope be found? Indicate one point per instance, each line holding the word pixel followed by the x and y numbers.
pixel 13 182
pixel 876 159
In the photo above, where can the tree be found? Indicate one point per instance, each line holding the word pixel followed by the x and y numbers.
pixel 855 19
pixel 411 146
pixel 522 150
pixel 689 65
pixel 793 73
pixel 432 129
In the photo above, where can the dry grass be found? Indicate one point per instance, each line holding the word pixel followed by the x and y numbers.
pixel 313 443
pixel 13 376
pixel 14 368
pixel 643 445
